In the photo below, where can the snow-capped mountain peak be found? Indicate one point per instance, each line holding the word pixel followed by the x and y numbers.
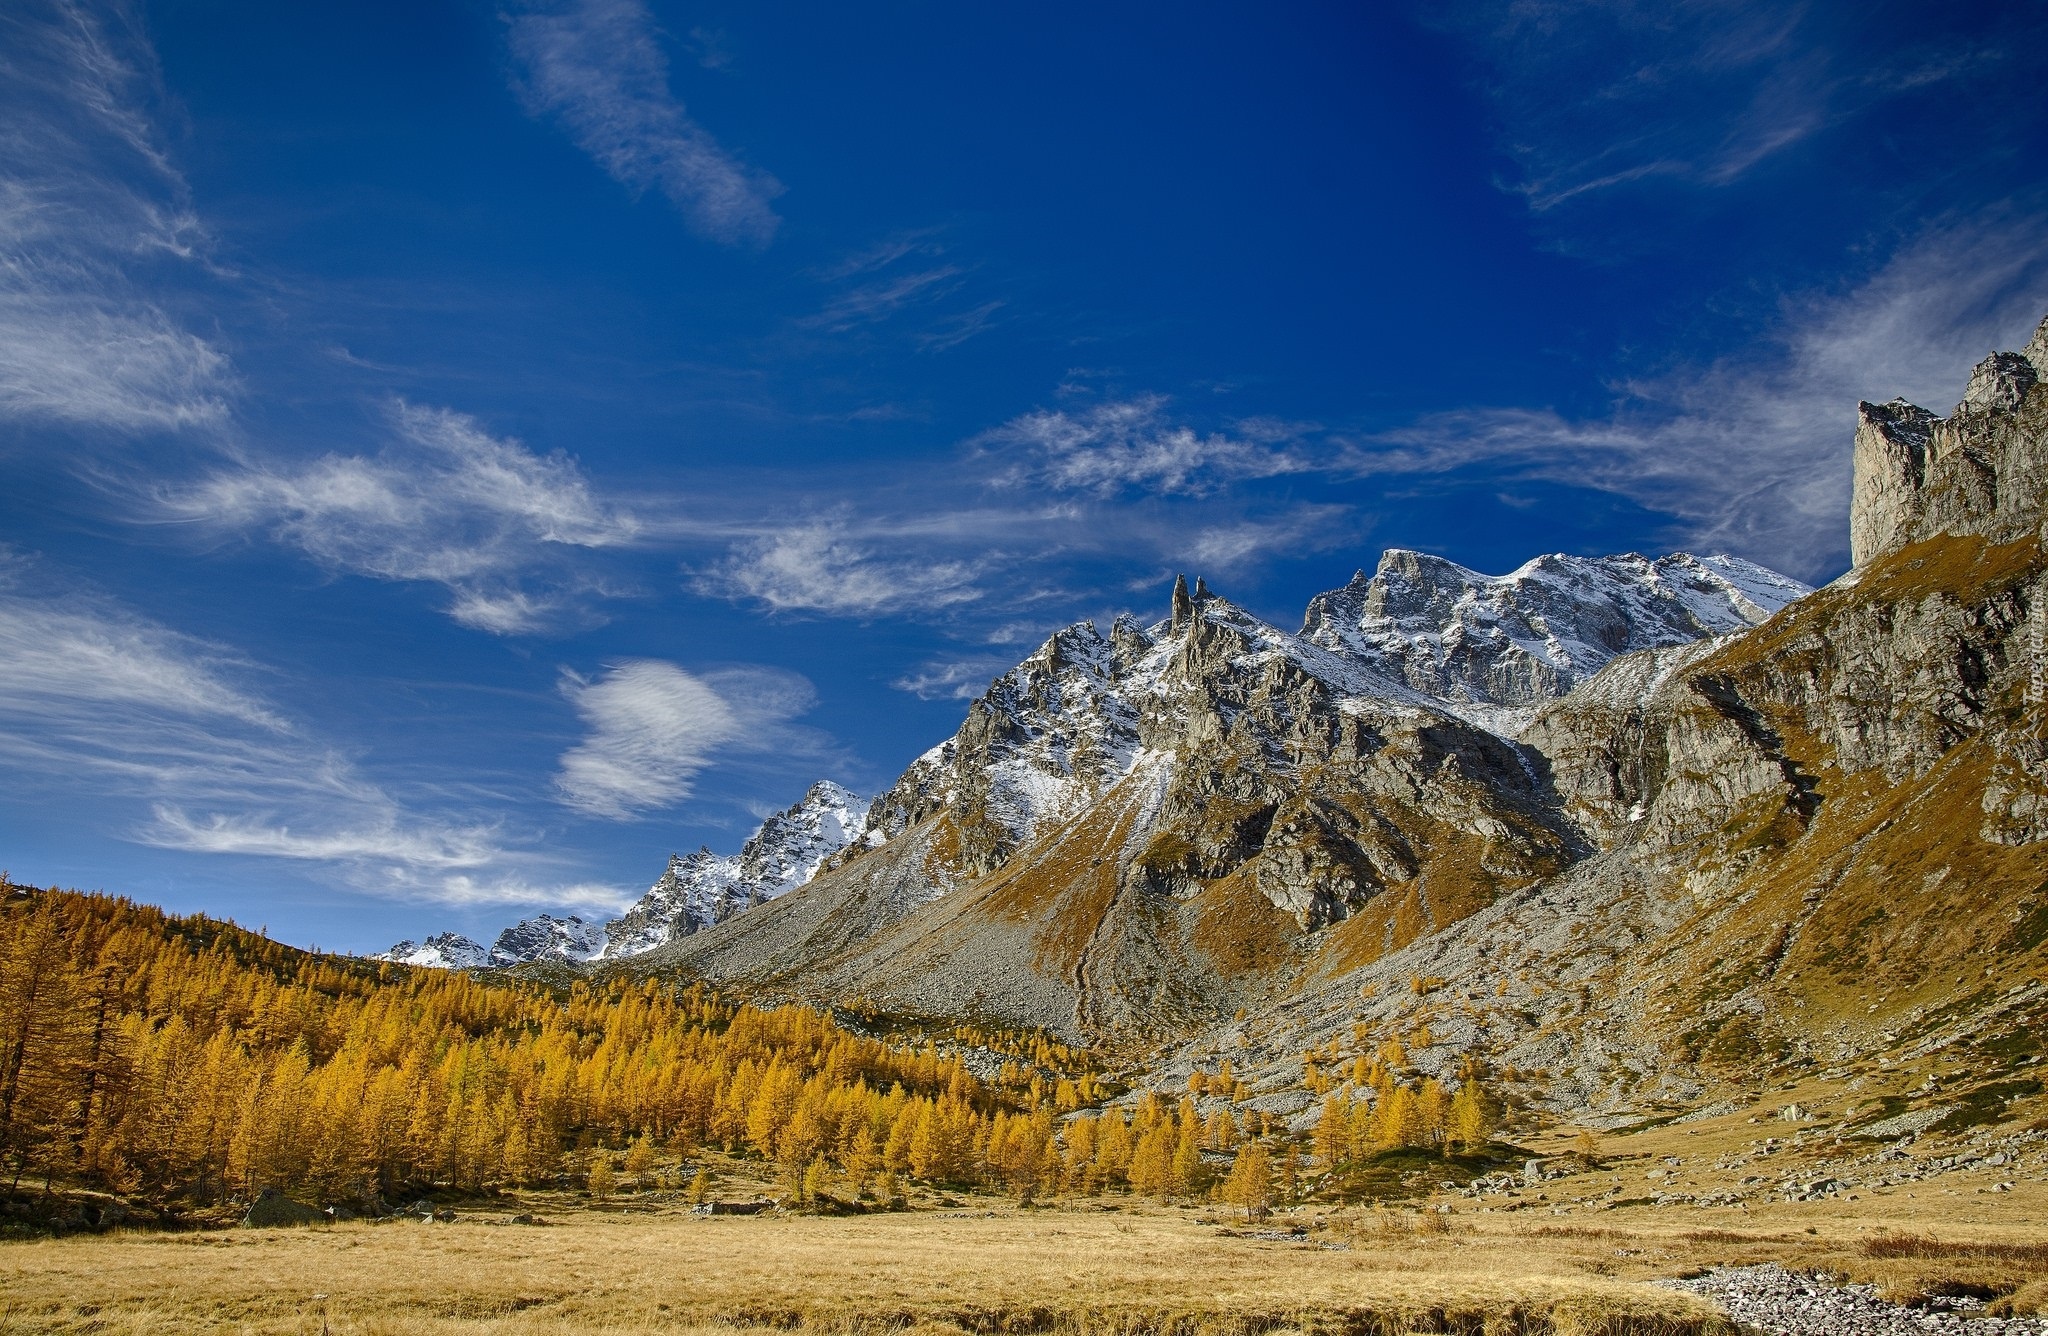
pixel 1512 640
pixel 545 937
pixel 700 889
pixel 1421 633
pixel 695 891
pixel 444 950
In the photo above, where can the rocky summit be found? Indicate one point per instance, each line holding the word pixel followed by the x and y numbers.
pixel 1647 826
pixel 544 937
pixel 696 891
pixel 700 889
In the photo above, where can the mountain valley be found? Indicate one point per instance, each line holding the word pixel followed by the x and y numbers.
pixel 1648 828
pixel 1654 830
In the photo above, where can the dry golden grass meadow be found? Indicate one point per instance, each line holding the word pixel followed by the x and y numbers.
pixel 642 1262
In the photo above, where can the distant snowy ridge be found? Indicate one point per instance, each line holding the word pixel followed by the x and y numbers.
pixel 542 937
pixel 443 951
pixel 1420 636
pixel 1491 647
pixel 696 891
pixel 703 888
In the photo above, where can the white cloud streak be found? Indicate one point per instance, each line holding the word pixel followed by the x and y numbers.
pixel 1301 528
pixel 597 68
pixel 96 695
pixel 1752 454
pixel 88 200
pixel 448 503
pixel 955 679
pixel 827 565
pixel 652 727
pixel 68 661
pixel 1129 445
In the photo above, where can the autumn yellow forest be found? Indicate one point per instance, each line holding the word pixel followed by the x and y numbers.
pixel 188 1061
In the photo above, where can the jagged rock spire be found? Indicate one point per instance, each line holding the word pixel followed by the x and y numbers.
pixel 2000 382
pixel 1183 606
pixel 1202 594
pixel 2036 350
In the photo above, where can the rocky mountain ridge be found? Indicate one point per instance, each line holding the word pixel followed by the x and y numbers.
pixel 544 937
pixel 1211 769
pixel 694 892
pixel 703 888
pixel 1514 641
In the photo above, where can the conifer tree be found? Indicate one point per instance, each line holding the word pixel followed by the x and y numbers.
pixel 1472 1117
pixel 1250 1184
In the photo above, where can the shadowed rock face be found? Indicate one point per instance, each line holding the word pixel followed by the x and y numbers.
pixel 1646 821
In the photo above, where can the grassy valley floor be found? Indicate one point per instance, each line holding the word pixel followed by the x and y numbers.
pixel 985 1267
pixel 645 1262
pixel 1795 1176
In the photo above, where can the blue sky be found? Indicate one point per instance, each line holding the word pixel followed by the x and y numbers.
pixel 454 455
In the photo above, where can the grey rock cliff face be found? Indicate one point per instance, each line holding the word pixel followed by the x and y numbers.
pixel 1975 471
pixel 1890 470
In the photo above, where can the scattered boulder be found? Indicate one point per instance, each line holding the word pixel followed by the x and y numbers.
pixel 272 1210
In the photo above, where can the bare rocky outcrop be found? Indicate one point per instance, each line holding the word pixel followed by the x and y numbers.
pixel 1977 471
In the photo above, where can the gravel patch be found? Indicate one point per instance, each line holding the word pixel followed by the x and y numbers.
pixel 1903 1124
pixel 1773 1300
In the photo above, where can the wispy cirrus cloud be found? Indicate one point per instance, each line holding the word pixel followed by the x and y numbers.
pixel 869 303
pixel 448 503
pixel 954 679
pixel 1131 445
pixel 94 694
pixel 79 664
pixel 1029 511
pixel 89 201
pixel 953 330
pixel 1229 544
pixel 905 278
pixel 1752 453
pixel 831 564
pixel 597 68
pixel 651 727
pixel 1699 95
